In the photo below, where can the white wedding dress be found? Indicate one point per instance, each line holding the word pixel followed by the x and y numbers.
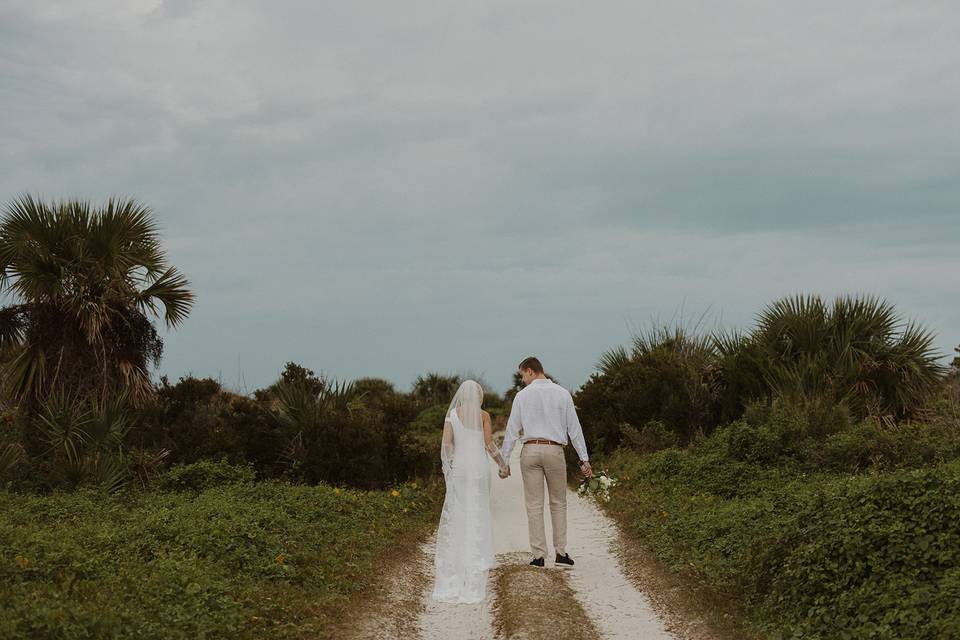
pixel 464 552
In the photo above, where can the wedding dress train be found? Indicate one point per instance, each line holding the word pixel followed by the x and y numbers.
pixel 464 552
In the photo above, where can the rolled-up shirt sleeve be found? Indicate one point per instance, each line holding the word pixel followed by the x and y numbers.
pixel 512 431
pixel 574 430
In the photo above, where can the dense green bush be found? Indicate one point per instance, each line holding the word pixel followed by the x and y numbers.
pixel 421 441
pixel 824 439
pixel 367 438
pixel 875 556
pixel 856 350
pixel 652 436
pixel 289 429
pixel 332 437
pixel 206 474
pixel 664 378
pixel 889 446
pixel 435 388
pixel 835 364
pixel 248 560
pixel 812 555
pixel 196 419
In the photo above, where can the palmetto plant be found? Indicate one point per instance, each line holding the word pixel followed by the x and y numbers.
pixel 85 438
pixel 853 357
pixel 85 280
pixel 694 349
pixel 435 388
pixel 857 350
pixel 302 412
pixel 332 434
pixel 10 455
pixel 665 375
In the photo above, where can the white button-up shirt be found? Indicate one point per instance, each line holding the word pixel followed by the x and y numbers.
pixel 545 411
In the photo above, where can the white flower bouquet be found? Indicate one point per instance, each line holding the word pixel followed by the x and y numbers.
pixel 597 486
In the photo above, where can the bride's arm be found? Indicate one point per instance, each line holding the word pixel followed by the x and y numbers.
pixel 488 441
pixel 446 448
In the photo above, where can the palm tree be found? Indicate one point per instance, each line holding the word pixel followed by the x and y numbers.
pixel 84 280
pixel 857 350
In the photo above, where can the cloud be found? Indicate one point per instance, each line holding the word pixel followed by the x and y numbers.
pixel 384 189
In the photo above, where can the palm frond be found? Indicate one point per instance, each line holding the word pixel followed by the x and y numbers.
pixel 107 470
pixel 10 456
pixel 613 360
pixel 62 422
pixel 13 324
pixel 728 343
pixel 171 290
pixel 25 375
pixel 338 396
pixel 109 420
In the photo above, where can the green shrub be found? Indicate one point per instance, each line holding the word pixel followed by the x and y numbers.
pixel 196 419
pixel 205 474
pixel 238 561
pixel 665 377
pixel 876 556
pixel 756 444
pixel 652 436
pixel 887 446
pixel 807 417
pixel 421 440
pixel 811 555
pixel 819 366
pixel 435 388
pixel 856 350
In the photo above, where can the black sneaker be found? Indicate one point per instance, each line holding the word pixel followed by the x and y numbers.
pixel 537 562
pixel 564 560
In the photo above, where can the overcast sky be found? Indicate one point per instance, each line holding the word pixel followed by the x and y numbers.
pixel 392 188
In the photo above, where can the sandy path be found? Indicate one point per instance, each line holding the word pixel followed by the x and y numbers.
pixel 616 606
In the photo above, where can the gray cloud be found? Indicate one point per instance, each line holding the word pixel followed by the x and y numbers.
pixel 386 189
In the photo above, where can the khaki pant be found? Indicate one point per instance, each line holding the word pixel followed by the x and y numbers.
pixel 539 462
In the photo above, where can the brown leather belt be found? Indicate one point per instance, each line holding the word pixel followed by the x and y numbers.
pixel 542 442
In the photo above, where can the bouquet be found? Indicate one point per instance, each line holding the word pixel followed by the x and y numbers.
pixel 597 486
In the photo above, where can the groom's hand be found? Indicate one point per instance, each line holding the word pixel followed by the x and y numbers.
pixel 585 469
pixel 504 472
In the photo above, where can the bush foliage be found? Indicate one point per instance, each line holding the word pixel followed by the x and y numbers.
pixel 853 536
pixel 854 356
pixel 236 560
pixel 364 434
pixel 206 474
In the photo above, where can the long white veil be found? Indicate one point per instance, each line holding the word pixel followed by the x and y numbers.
pixel 468 399
pixel 466 404
pixel 464 542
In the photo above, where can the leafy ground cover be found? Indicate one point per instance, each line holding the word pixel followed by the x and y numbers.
pixel 239 560
pixel 874 554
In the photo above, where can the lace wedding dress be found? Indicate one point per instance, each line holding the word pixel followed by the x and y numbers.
pixel 464 553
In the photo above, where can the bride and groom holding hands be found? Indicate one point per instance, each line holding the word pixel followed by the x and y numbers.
pixel 543 420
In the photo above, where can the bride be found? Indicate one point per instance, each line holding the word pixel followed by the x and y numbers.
pixel 465 534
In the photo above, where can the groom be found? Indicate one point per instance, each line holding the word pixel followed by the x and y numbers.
pixel 545 412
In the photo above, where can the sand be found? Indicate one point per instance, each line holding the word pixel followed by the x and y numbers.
pixel 617 608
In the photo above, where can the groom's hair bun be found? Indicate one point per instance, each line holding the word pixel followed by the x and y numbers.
pixel 531 363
